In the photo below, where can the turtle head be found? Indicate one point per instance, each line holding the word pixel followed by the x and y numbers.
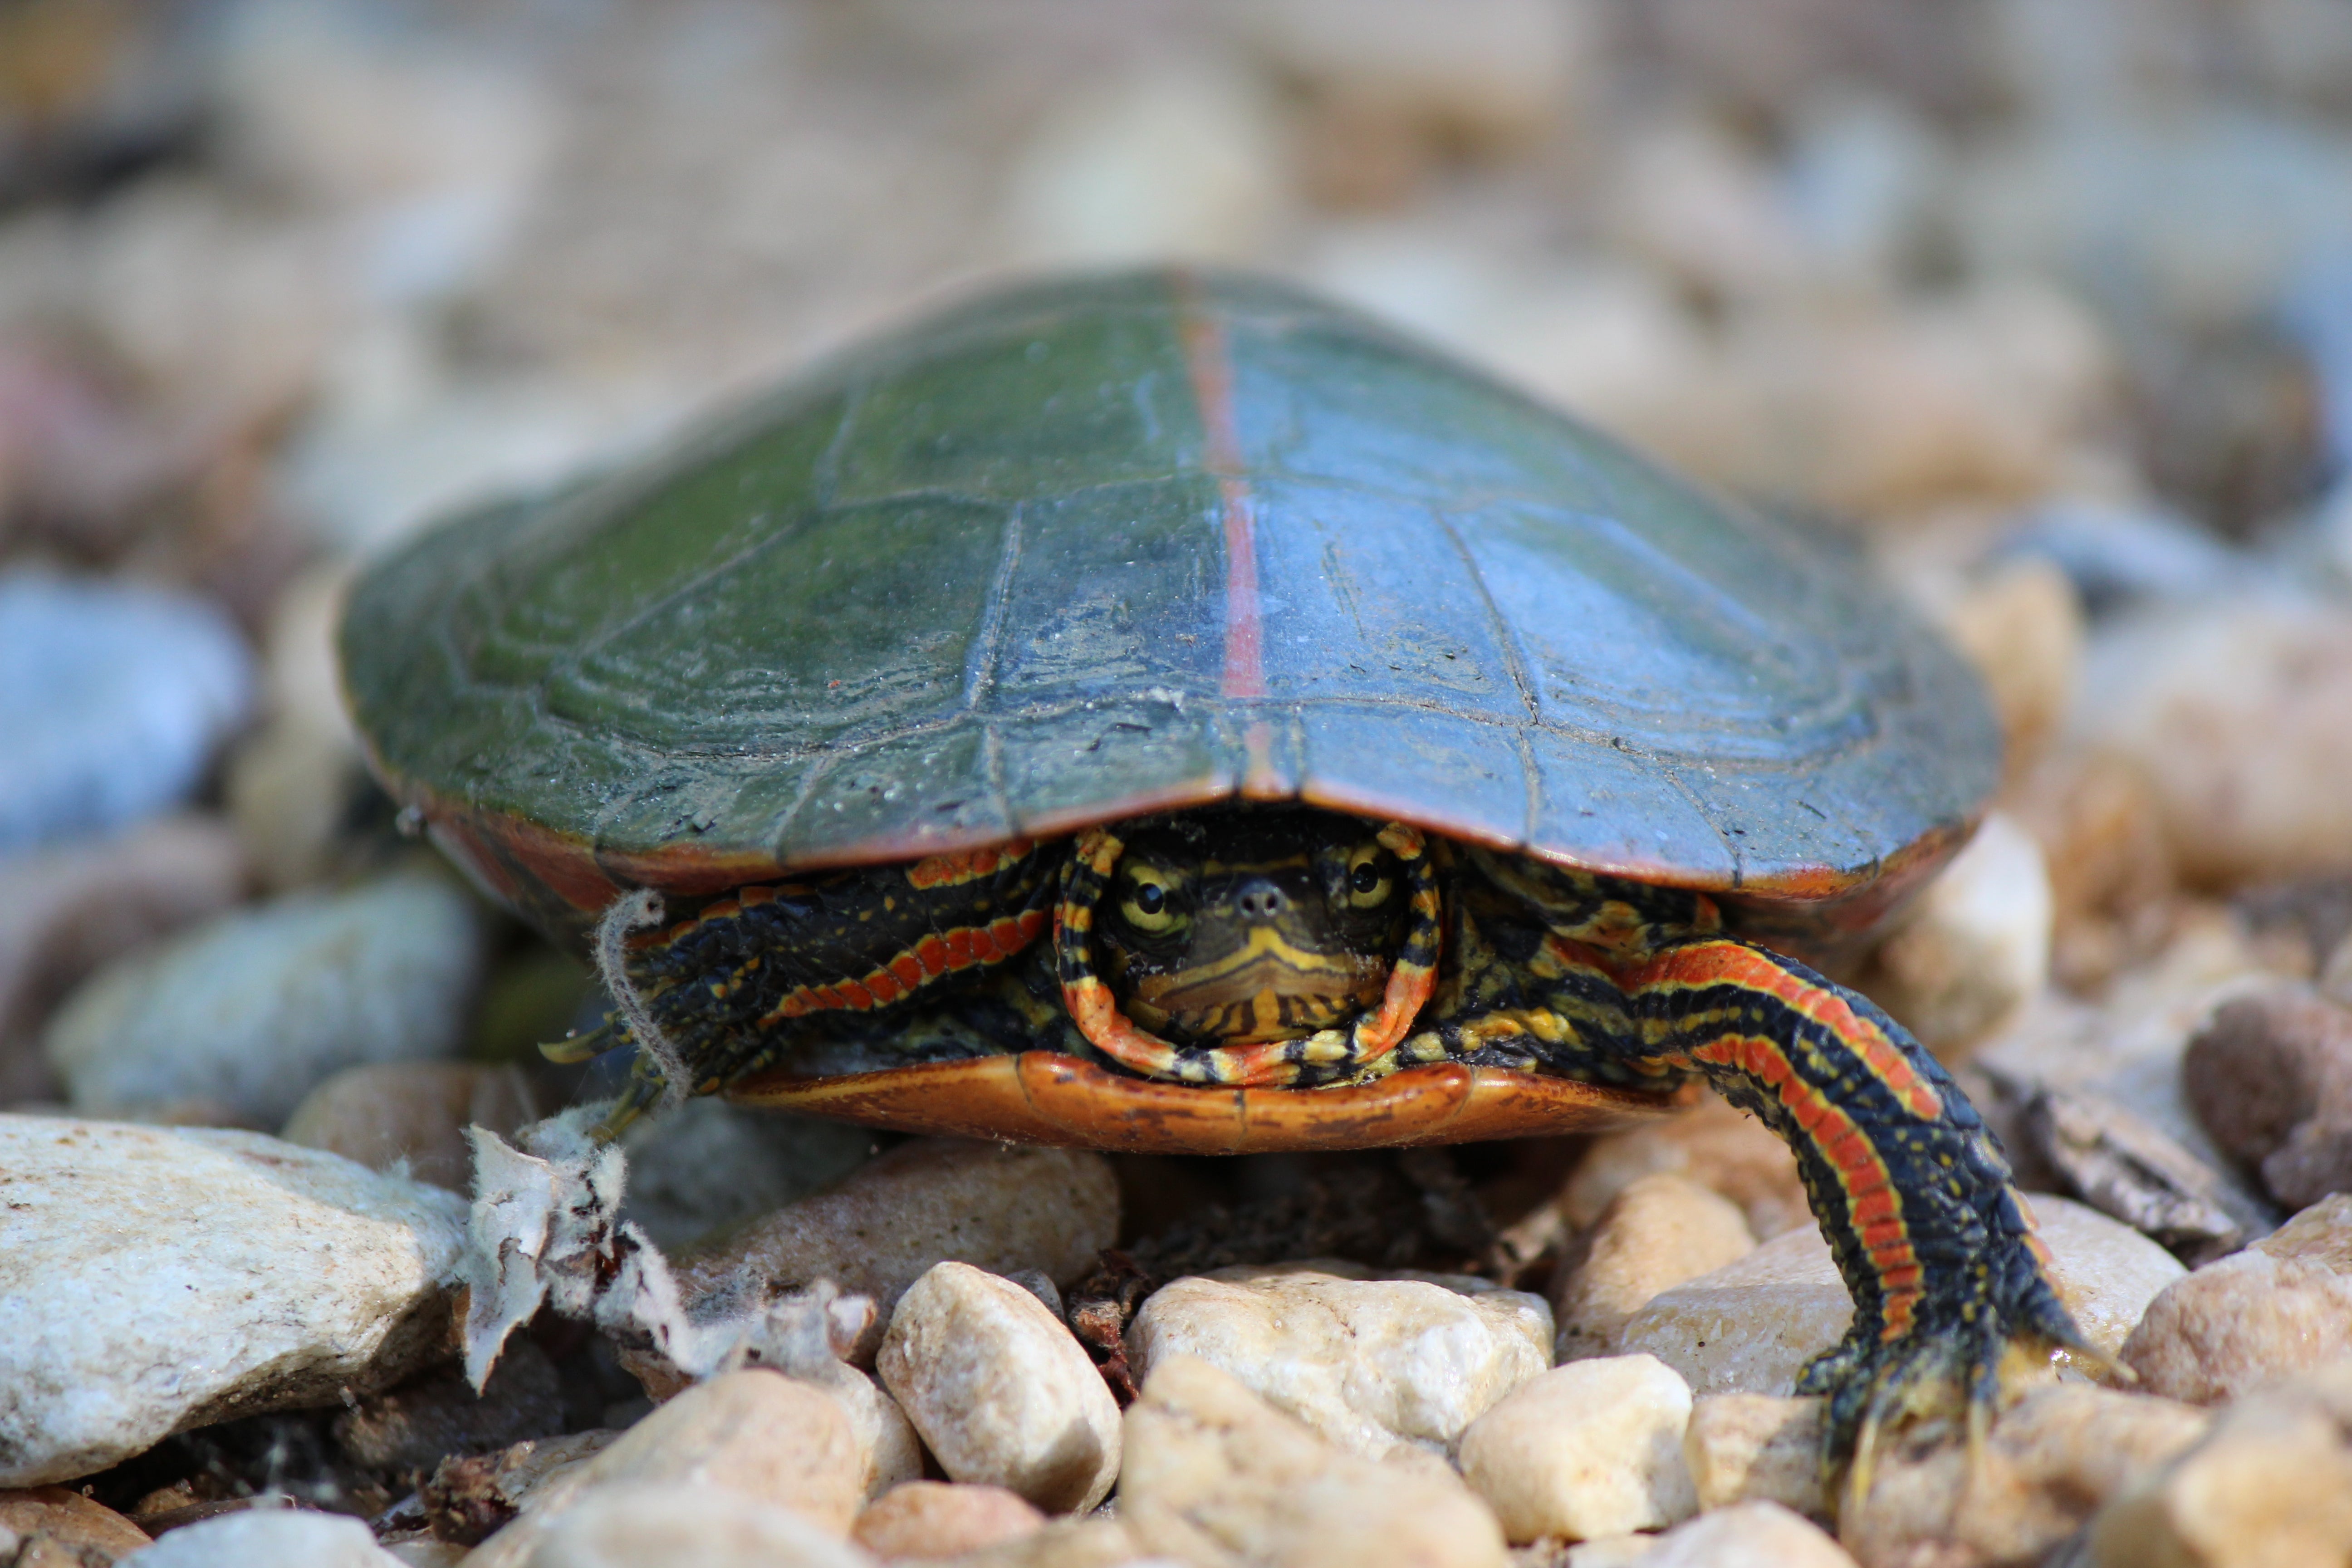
pixel 1233 927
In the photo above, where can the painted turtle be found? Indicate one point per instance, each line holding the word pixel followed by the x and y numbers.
pixel 1168 711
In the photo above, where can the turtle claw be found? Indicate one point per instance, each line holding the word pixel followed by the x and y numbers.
pixel 1944 1371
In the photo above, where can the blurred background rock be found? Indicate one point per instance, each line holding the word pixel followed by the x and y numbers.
pixel 2045 306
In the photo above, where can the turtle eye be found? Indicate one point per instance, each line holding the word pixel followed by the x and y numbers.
pixel 1367 878
pixel 1149 906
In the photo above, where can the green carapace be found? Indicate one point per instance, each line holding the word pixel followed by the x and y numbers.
pixel 1168 711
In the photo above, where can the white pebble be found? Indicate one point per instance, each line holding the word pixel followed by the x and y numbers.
pixel 1374 1365
pixel 1000 1391
pixel 1216 1476
pixel 1594 1447
pixel 266 1538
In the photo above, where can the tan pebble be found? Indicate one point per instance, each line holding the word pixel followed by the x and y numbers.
pixel 1750 1326
pixel 2269 1487
pixel 2023 628
pixel 1662 1229
pixel 1394 90
pixel 1748 1535
pixel 1091 1543
pixel 2321 1234
pixel 1173 153
pixel 1715 1144
pixel 2335 980
pixel 1594 1447
pixel 929 1519
pixel 893 1449
pixel 1000 1391
pixel 1756 1447
pixel 1975 945
pixel 383 1114
pixel 1217 1477
pixel 758 1434
pixel 1371 1365
pixel 2054 1458
pixel 649 1524
pixel 934 1200
pixel 2111 875
pixel 2241 712
pixel 72 1530
pixel 2280 1308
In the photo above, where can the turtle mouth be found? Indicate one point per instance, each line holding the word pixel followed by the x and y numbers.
pixel 1267 988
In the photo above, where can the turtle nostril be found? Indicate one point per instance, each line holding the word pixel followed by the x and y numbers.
pixel 1259 901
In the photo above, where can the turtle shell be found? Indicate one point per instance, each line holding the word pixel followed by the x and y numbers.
pixel 1071 552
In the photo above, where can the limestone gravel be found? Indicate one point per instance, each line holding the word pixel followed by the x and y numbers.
pixel 1594 1447
pixel 117 696
pixel 648 1524
pixel 1750 1326
pixel 2281 1308
pixel 1662 1230
pixel 1756 1447
pixel 762 1435
pixel 931 1201
pixel 1374 1365
pixel 268 1538
pixel 158 1279
pixel 2053 1457
pixel 1000 1391
pixel 2270 1486
pixel 1746 1535
pixel 1715 1144
pixel 932 1520
pixel 1217 1478
pixel 67 910
pixel 2271 1078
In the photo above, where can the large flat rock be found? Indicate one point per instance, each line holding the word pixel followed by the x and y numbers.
pixel 153 1280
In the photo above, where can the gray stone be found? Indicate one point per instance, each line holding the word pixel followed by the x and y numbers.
pixel 153 1280
pixel 256 1008
pixel 709 1167
pixel 1750 1326
pixel 115 700
pixel 934 1200
pixel 66 910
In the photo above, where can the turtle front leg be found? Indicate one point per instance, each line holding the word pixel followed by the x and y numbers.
pixel 719 992
pixel 1936 1247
